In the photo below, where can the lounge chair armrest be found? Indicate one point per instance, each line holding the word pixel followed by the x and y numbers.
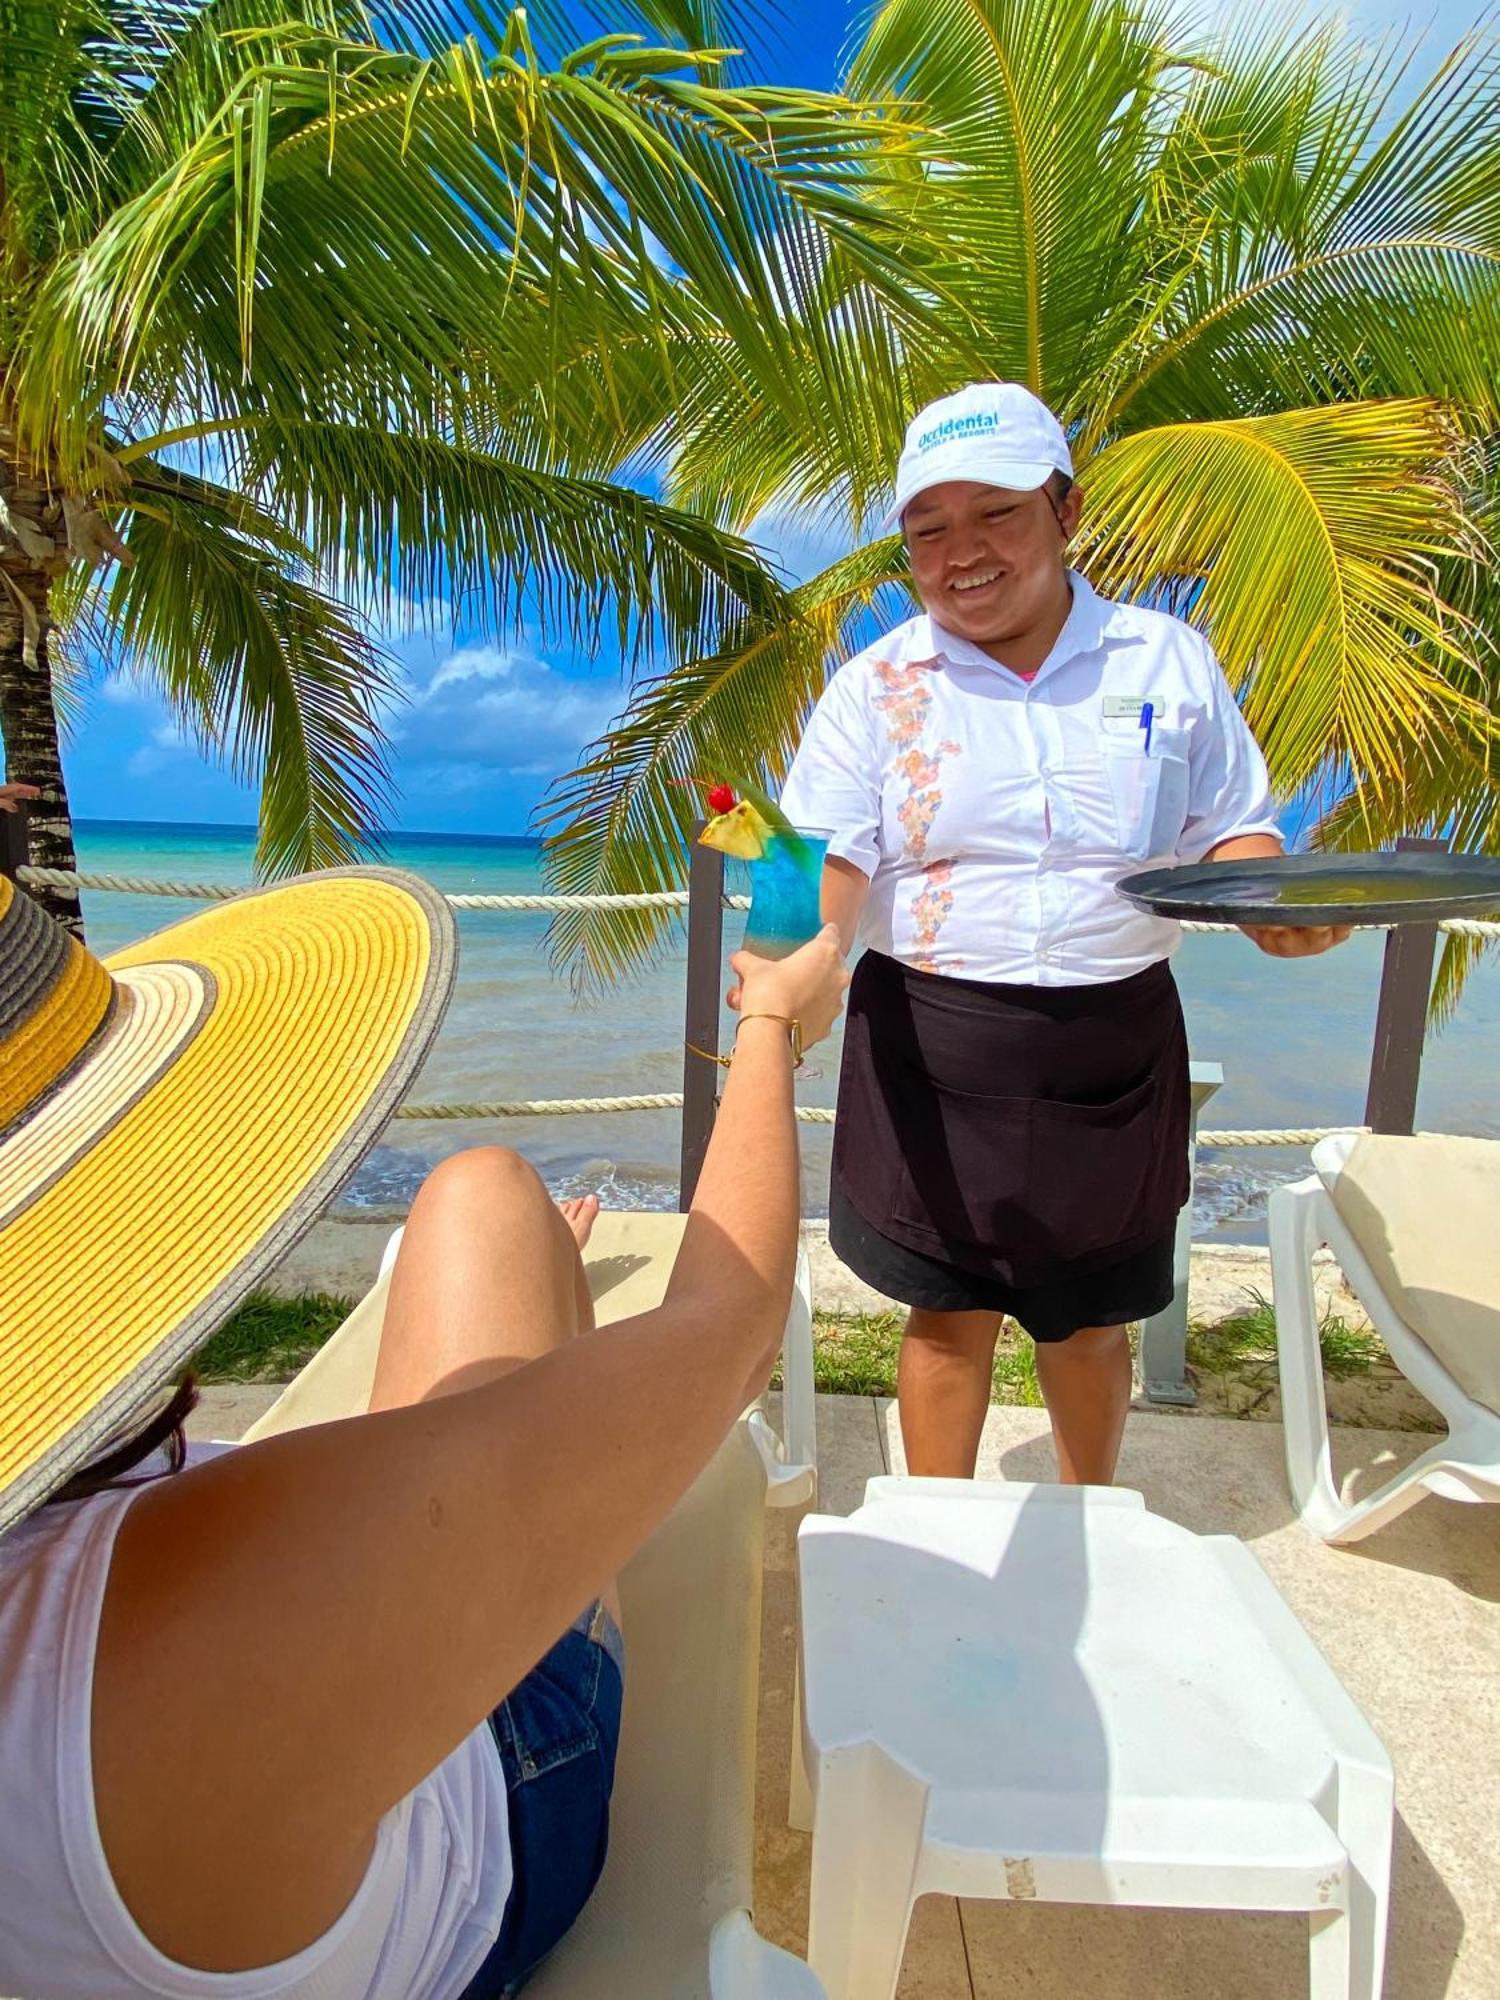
pixel 786 1485
pixel 799 1422
pixel 388 1254
pixel 742 1966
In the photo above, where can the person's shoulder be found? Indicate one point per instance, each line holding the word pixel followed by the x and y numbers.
pixel 866 669
pixel 1163 636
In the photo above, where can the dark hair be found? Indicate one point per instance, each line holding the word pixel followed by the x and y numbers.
pixel 1059 486
pixel 162 1432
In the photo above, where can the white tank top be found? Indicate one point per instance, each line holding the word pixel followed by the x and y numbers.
pixel 418 1927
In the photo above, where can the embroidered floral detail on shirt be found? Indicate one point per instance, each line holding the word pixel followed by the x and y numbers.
pixel 906 700
pixel 905 705
pixel 930 910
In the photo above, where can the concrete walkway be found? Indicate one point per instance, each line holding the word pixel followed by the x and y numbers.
pixel 1409 1619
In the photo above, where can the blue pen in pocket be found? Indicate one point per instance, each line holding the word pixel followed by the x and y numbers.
pixel 1148 716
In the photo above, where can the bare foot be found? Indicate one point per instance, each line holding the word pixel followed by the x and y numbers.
pixel 580 1215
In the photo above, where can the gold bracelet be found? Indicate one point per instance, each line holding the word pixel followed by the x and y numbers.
pixel 792 1026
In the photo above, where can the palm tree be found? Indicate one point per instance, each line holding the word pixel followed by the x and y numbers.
pixel 1259 279
pixel 303 300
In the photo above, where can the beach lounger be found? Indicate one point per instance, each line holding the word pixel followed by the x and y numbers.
pixel 670 1919
pixel 1048 1694
pixel 1415 1225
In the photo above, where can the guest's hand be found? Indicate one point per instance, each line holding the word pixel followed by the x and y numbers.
pixel 1296 940
pixel 808 986
pixel 12 795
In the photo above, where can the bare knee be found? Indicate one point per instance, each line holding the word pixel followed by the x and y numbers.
pixel 953 1332
pixel 1092 1343
pixel 483 1177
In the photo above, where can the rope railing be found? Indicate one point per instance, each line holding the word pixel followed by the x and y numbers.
pixel 128 885
pixel 807 1114
pixel 662 899
pixel 544 1107
pixel 1286 1136
pixel 661 1100
pixel 219 892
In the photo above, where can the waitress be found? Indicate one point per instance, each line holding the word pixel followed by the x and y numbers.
pixel 1012 1133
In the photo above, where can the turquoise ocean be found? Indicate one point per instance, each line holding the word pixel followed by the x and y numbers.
pixel 1293 1039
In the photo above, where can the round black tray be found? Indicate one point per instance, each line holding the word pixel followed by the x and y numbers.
pixel 1307 889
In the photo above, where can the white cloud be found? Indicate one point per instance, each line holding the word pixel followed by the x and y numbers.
pixel 480 663
pixel 463 720
pixel 123 691
pixel 166 746
pixel 490 713
pixel 801 540
pixel 400 617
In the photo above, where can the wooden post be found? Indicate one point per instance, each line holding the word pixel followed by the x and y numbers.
pixel 1401 1019
pixel 705 972
pixel 15 840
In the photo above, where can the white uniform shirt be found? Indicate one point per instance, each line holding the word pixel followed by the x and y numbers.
pixel 995 815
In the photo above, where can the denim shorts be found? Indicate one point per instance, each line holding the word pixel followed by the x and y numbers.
pixel 557 1734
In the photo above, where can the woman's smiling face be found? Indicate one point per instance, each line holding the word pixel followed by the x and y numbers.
pixel 988 562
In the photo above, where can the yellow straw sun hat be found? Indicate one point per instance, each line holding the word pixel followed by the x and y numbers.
pixel 172 1119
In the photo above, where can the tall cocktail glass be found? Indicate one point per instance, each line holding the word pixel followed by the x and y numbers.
pixel 785 884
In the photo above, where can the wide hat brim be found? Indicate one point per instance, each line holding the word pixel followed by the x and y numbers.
pixel 252 1055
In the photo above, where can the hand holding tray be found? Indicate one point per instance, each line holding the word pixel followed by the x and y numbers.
pixel 1320 889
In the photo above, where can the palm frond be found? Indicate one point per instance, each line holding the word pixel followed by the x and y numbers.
pixel 1306 544
pixel 1346 242
pixel 1045 145
pixel 621 821
pixel 49 152
pixel 347 224
pixel 564 24
pixel 274 676
pixel 734 452
pixel 500 537
pixel 1453 794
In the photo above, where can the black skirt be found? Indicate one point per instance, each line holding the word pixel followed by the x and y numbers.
pixel 1019 1138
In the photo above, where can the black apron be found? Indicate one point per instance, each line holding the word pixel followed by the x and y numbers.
pixel 1014 1131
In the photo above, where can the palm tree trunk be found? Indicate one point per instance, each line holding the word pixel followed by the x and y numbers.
pixel 29 721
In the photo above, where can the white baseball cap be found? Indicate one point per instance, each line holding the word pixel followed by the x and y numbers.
pixel 994 433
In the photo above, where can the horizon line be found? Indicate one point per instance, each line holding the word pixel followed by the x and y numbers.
pixel 251 832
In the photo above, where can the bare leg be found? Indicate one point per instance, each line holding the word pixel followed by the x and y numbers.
pixel 1086 1382
pixel 944 1389
pixel 489 1277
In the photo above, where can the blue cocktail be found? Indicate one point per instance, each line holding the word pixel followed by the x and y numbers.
pixel 785 887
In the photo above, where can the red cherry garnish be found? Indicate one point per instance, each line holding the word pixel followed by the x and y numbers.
pixel 721 799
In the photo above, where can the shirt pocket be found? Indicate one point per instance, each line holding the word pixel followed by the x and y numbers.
pixel 1149 791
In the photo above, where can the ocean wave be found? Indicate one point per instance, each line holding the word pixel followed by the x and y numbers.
pixel 1230 1192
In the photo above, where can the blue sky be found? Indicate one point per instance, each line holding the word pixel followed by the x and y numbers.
pixel 486 726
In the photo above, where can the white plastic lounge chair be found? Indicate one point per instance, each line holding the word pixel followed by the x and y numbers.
pixel 1415 1225
pixel 670 1919
pixel 1045 1693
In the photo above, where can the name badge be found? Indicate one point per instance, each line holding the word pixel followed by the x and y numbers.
pixel 1123 707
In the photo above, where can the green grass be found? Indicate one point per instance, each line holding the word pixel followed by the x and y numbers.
pixel 1250 1337
pixel 268 1339
pixel 855 1354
